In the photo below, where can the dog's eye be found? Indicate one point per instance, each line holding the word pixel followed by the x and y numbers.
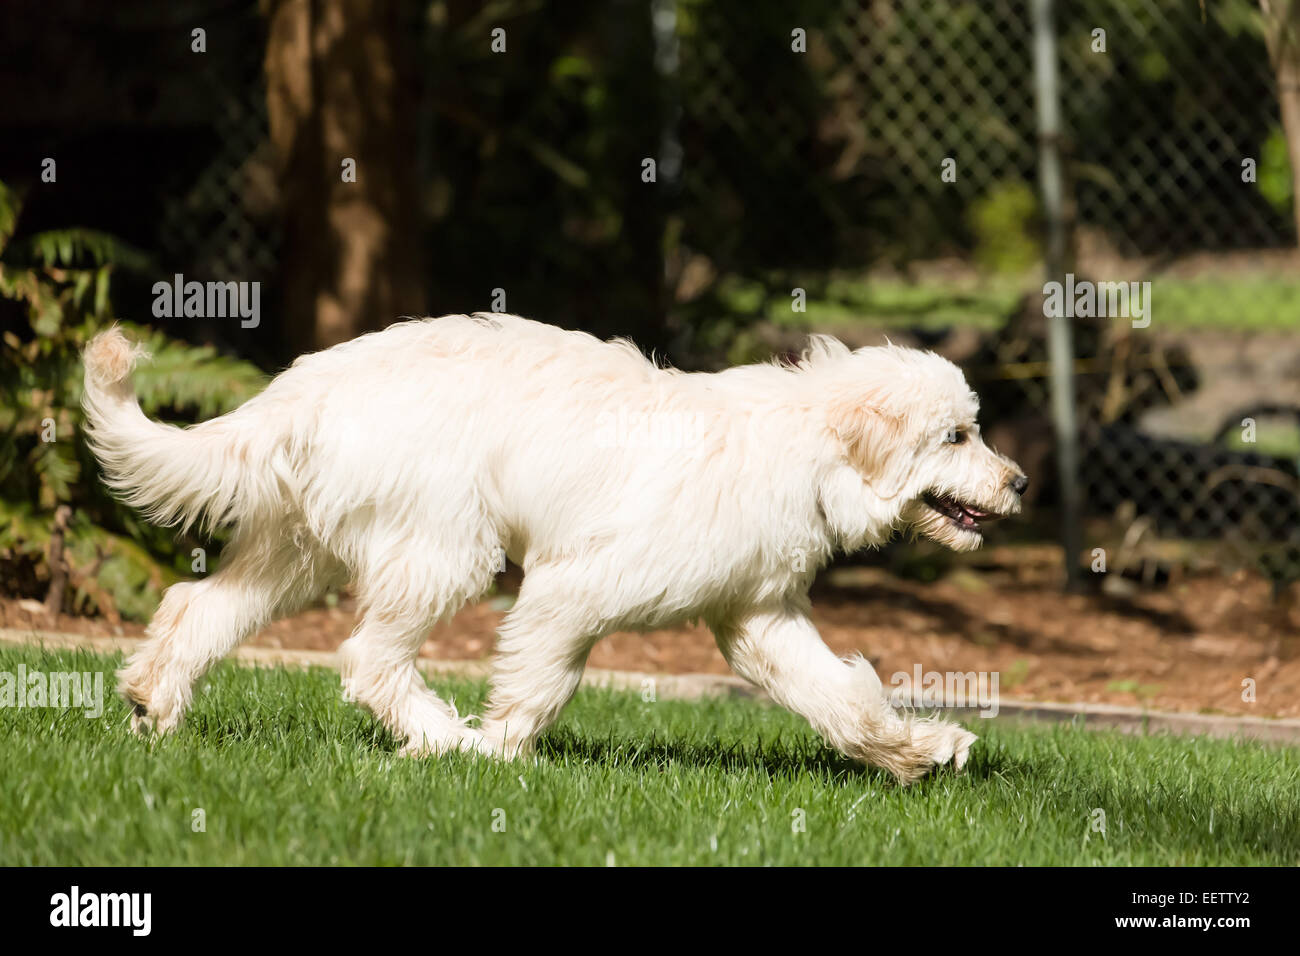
pixel 954 436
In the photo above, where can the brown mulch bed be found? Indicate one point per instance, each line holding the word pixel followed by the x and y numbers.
pixel 1186 647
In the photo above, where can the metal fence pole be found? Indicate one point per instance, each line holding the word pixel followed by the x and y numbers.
pixel 1059 338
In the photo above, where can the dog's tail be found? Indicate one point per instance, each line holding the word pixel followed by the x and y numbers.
pixel 206 472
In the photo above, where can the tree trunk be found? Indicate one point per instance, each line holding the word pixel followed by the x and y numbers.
pixel 1282 34
pixel 58 568
pixel 340 87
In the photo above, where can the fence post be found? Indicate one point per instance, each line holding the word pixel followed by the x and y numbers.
pixel 1059 337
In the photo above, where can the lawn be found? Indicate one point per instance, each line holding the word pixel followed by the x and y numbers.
pixel 284 772
pixel 1263 302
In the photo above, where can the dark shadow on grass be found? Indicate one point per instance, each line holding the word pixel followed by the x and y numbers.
pixel 774 759
pixel 777 758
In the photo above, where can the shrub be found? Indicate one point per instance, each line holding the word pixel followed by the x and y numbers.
pixel 62 536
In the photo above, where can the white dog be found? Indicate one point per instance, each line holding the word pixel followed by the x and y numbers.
pixel 411 461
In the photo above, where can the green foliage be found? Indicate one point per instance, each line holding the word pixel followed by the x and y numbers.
pixel 538 163
pixel 1274 174
pixel 1133 115
pixel 1003 222
pixel 58 283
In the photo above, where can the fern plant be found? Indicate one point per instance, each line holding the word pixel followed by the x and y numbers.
pixel 58 283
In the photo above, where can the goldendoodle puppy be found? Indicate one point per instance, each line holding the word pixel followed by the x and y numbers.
pixel 411 461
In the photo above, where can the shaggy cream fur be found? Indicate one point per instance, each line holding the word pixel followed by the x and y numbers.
pixel 409 461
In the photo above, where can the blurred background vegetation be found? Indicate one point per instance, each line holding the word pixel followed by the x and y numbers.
pixel 796 146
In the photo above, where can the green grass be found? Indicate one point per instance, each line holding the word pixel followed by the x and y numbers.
pixel 1250 302
pixel 287 773
pixel 887 303
pixel 1260 302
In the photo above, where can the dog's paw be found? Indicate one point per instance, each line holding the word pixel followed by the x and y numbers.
pixel 156 707
pixel 497 741
pixel 935 744
pixel 962 740
pixel 151 723
pixel 152 714
pixel 142 723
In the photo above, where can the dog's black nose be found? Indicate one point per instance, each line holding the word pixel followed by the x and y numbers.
pixel 1019 484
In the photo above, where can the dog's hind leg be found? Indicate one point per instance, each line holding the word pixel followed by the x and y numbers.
pixel 401 596
pixel 262 576
pixel 542 650
pixel 379 672
pixel 780 651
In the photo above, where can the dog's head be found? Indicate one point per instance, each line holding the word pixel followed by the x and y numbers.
pixel 905 424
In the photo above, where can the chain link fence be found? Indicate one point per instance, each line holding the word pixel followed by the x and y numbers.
pixel 924 114
pixel 223 221
pixel 1160 108
pixel 852 147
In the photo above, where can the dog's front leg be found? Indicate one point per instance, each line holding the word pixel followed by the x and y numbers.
pixel 779 650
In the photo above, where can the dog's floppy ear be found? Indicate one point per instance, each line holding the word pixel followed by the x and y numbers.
pixel 868 433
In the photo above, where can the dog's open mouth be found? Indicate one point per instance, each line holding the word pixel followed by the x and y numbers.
pixel 964 516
